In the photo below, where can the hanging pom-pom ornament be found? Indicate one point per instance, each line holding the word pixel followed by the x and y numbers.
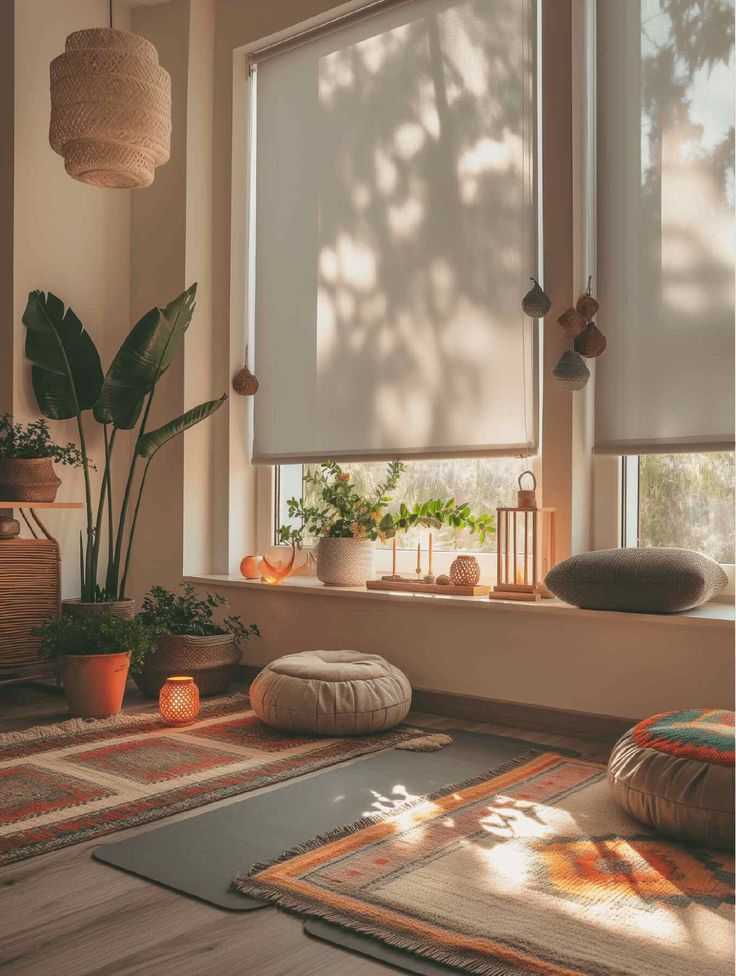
pixel 586 304
pixel 535 303
pixel 591 342
pixel 571 322
pixel 570 371
pixel 244 382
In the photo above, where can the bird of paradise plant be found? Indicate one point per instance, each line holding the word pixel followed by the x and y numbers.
pixel 69 383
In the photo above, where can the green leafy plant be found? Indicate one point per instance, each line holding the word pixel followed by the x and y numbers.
pixel 101 634
pixel 69 382
pixel 169 613
pixel 342 512
pixel 33 440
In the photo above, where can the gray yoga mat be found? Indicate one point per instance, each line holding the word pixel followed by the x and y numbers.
pixel 367 946
pixel 200 854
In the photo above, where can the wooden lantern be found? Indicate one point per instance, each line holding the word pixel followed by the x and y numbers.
pixel 525 537
pixel 178 701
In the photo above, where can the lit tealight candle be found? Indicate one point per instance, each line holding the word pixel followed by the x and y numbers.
pixel 178 701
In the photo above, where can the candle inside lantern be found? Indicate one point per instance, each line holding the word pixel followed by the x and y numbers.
pixel 178 701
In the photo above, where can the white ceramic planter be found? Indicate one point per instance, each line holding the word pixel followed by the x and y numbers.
pixel 345 562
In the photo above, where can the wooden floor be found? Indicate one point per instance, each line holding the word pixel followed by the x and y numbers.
pixel 63 914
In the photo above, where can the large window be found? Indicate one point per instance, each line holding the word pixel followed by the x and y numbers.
pixel 681 500
pixel 484 483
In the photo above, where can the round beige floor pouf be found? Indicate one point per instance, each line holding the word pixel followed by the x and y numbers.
pixel 675 772
pixel 331 693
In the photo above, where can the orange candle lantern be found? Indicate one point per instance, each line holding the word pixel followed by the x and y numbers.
pixel 178 701
pixel 525 539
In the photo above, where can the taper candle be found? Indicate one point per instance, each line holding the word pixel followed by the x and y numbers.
pixel 419 559
pixel 430 554
pixel 393 559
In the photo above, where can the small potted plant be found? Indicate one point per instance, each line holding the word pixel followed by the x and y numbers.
pixel 190 640
pixel 347 525
pixel 94 656
pixel 27 456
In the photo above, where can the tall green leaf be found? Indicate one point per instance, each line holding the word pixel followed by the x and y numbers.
pixel 146 353
pixel 152 442
pixel 66 374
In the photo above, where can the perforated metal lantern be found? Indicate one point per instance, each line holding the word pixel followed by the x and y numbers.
pixel 110 108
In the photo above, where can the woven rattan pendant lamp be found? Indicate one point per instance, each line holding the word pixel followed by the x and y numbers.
pixel 110 108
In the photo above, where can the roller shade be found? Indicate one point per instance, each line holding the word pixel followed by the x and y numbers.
pixel 665 227
pixel 394 235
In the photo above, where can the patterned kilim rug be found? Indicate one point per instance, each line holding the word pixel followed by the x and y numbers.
pixel 531 870
pixel 63 784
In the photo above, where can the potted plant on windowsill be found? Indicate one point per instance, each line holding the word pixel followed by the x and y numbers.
pixel 94 655
pixel 189 640
pixel 348 525
pixel 69 383
pixel 27 456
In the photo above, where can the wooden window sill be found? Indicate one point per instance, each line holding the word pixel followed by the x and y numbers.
pixel 714 614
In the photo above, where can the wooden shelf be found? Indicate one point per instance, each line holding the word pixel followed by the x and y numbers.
pixel 76 505
pixel 415 586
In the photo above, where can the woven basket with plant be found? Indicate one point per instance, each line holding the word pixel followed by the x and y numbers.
pixel 190 640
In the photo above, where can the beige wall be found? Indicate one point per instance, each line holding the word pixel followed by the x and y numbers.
pixel 68 238
pixel 158 274
pixel 626 665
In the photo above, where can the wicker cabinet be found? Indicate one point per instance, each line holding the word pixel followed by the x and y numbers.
pixel 30 594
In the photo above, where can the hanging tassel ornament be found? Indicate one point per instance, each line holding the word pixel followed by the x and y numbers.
pixel 570 371
pixel 586 304
pixel 535 303
pixel 571 322
pixel 591 342
pixel 244 382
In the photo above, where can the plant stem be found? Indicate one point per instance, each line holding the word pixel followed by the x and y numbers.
pixel 131 534
pixel 108 476
pixel 104 489
pixel 113 570
pixel 87 584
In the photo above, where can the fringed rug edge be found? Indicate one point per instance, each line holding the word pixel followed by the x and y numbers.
pixel 71 726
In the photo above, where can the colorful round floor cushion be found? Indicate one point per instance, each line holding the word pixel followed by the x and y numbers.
pixel 331 693
pixel 675 772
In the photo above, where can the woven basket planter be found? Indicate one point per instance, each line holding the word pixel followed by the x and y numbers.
pixel 209 660
pixel 28 480
pixel 116 608
pixel 345 562
pixel 110 108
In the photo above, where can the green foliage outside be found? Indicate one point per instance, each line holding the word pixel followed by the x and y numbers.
pixel 687 501
pixel 345 504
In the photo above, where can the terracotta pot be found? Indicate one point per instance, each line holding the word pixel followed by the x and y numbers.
pixel 345 562
pixel 94 684
pixel 28 479
pixel 116 608
pixel 209 660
